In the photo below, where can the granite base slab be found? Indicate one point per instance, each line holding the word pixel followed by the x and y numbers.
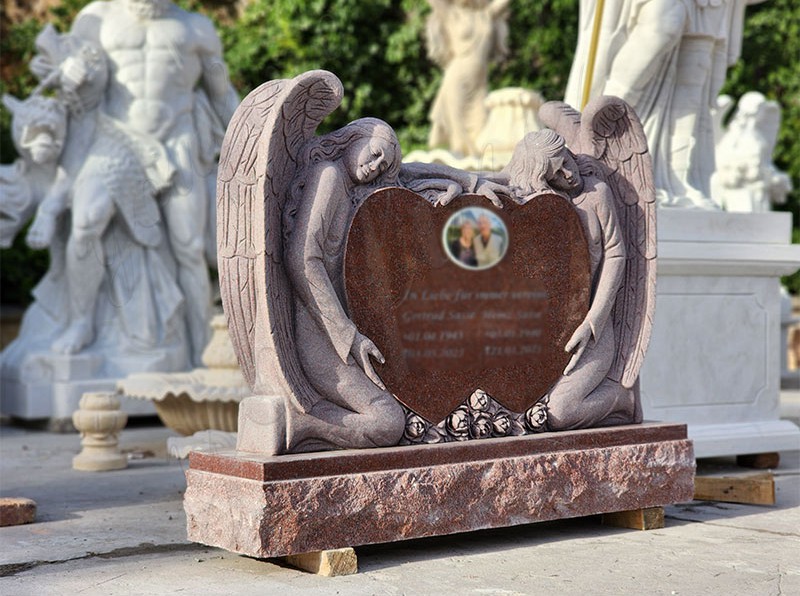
pixel 276 506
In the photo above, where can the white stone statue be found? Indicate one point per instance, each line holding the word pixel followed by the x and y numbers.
pixel 746 179
pixel 109 294
pixel 668 59
pixel 124 207
pixel 464 36
pixel 166 82
pixel 39 129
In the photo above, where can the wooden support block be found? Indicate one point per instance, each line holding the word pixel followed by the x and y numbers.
pixel 752 489
pixel 330 563
pixel 16 511
pixel 759 461
pixel 650 518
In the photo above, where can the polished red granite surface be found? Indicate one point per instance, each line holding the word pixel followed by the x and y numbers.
pixel 447 328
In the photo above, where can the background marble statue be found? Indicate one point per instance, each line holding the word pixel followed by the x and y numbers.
pixel 39 128
pixel 111 278
pixel 668 59
pixel 167 82
pixel 126 209
pixel 464 36
pixel 746 179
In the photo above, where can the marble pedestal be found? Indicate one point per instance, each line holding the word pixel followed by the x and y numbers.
pixel 275 506
pixel 714 357
pixel 49 387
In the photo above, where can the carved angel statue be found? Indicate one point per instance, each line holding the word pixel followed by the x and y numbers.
pixel 608 176
pixel 110 287
pixel 463 37
pixel 286 199
pixel 281 267
pixel 746 179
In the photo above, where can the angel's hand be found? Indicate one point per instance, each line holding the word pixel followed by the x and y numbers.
pixel 490 190
pixel 578 342
pixel 361 350
pixel 450 193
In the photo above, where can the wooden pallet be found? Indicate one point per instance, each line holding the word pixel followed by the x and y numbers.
pixel 738 487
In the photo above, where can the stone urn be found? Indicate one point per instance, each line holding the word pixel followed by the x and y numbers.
pixel 203 399
pixel 99 421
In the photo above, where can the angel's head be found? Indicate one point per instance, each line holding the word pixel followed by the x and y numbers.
pixel 367 147
pixel 373 153
pixel 542 162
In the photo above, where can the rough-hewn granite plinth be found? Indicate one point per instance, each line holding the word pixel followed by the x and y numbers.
pixel 275 506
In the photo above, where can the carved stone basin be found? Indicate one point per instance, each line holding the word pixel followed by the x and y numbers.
pixel 202 399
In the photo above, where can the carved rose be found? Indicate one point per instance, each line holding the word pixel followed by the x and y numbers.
pixel 415 427
pixel 501 424
pixel 481 426
pixel 479 400
pixel 458 423
pixel 536 417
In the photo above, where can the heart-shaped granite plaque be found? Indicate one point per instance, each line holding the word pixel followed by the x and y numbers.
pixel 448 318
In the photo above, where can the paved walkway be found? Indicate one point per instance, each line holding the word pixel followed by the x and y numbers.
pixel 124 533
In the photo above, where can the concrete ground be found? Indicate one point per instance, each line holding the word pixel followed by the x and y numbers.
pixel 123 532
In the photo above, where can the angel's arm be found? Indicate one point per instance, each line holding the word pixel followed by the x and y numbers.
pixel 612 271
pixel 612 267
pixel 414 173
pixel 422 176
pixel 305 259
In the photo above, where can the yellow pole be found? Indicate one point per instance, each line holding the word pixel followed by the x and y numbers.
pixel 587 81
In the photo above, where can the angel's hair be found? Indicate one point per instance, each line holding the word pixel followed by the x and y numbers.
pixel 332 146
pixel 527 169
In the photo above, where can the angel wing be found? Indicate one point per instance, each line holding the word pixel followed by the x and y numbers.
pixel 610 131
pixel 258 160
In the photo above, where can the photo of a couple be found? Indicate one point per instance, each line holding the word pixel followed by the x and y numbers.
pixel 475 238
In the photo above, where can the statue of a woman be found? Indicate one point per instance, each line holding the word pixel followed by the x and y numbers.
pixel 463 37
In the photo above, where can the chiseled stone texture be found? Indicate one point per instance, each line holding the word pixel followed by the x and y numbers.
pixel 15 511
pixel 275 506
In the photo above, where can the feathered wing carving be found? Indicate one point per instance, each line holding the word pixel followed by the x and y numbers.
pixel 610 131
pixel 258 161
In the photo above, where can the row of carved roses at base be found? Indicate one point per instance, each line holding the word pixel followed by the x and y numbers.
pixel 479 417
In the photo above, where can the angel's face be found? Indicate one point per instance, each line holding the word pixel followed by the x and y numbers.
pixel 368 158
pixel 563 174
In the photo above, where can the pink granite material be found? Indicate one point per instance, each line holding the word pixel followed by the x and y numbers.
pixel 295 515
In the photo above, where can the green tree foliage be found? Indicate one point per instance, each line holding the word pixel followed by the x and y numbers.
pixel 377 49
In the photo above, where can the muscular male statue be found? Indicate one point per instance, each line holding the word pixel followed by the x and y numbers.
pixel 168 82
